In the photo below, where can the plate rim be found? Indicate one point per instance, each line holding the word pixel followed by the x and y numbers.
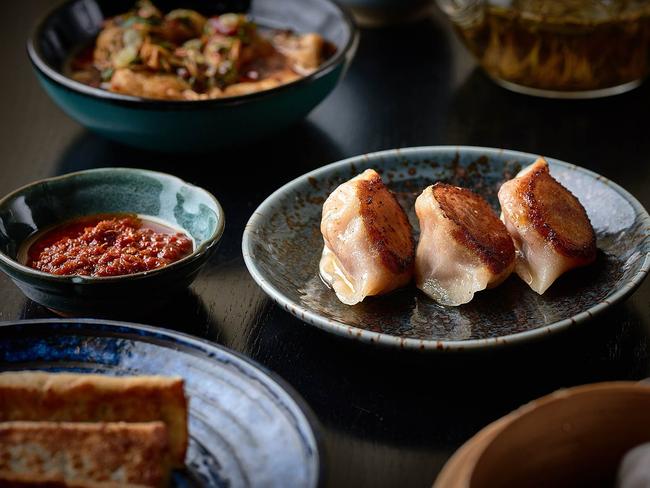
pixel 341 329
pixel 202 346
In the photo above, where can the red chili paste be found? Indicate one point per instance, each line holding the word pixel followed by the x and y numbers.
pixel 107 245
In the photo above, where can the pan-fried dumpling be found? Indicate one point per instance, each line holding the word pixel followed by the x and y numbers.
pixel 369 247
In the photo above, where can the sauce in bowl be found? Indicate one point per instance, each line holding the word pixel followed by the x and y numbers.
pixel 107 245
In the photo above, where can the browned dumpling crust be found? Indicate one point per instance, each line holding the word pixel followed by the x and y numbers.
pixel 464 247
pixel 550 227
pixel 368 240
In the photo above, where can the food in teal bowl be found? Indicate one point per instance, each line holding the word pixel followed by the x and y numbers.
pixel 171 79
pixel 98 241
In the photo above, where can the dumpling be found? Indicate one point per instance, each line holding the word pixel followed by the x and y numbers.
pixel 463 248
pixel 369 247
pixel 550 227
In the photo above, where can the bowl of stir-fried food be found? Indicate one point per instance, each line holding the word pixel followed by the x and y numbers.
pixel 166 78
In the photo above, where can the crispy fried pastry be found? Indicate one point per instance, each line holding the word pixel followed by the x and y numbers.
pixel 69 397
pixel 95 454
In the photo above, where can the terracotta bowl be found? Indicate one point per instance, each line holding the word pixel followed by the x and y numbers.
pixel 573 437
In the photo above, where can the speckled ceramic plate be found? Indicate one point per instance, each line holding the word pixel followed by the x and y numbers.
pixel 247 429
pixel 282 245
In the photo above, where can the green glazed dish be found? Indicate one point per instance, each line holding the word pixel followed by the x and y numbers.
pixel 188 126
pixel 46 203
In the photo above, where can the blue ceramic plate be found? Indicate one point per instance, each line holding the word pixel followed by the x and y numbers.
pixel 247 428
pixel 282 245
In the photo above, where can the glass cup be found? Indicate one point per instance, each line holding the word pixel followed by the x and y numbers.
pixel 557 48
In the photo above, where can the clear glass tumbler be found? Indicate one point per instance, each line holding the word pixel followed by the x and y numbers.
pixel 557 48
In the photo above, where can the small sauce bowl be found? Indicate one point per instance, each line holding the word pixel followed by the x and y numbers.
pixel 47 203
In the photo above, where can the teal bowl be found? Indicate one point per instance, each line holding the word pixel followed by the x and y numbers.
pixel 188 126
pixel 46 203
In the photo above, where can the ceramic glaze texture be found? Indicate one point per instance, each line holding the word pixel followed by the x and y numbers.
pixel 282 245
pixel 109 190
pixel 246 429
pixel 47 203
pixel 189 126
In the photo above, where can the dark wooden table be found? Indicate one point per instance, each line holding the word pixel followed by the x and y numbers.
pixel 389 417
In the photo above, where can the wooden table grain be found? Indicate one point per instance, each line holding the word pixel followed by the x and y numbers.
pixel 389 418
